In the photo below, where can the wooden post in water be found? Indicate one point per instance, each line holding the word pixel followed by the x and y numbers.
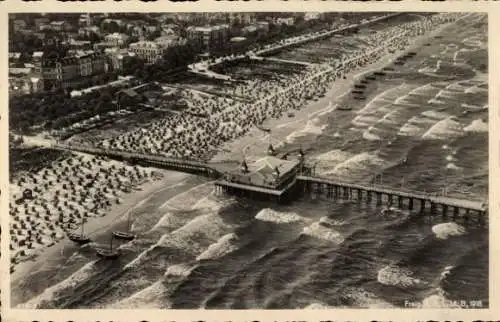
pixel 444 209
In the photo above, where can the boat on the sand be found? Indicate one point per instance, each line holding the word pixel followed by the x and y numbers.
pixel 79 238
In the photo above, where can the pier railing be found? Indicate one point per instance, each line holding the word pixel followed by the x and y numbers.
pixel 179 164
pixel 433 198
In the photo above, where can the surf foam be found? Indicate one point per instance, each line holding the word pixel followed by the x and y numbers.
pixel 225 245
pixel 446 230
pixel 271 215
pixel 477 126
pixel 397 276
pixel 321 232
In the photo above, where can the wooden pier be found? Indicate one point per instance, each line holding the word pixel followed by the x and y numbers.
pixel 400 198
pixel 298 180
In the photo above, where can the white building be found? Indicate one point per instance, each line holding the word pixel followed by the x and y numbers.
pixel 169 41
pixel 209 38
pixel 116 39
pixel 150 51
pixel 285 21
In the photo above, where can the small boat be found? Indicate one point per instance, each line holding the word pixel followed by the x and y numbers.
pixel 108 253
pixel 125 235
pixel 80 238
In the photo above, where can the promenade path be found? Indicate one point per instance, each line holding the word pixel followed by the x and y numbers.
pixel 203 68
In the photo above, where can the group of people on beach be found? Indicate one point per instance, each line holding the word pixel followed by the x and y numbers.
pixel 56 200
pixel 78 187
pixel 187 135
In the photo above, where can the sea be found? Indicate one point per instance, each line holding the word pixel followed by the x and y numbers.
pixel 195 249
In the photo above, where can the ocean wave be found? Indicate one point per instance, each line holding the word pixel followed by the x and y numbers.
pixel 367 135
pixel 452 166
pixel 207 203
pixel 397 276
pixel 192 236
pixel 391 117
pixel 168 220
pixel 435 101
pixel 189 197
pixel 438 301
pixel 225 245
pixel 278 217
pixel 331 221
pixel 435 115
pixel 321 232
pixel 364 299
pixel 375 103
pixel 311 127
pixel 358 162
pixel 450 158
pixel 334 156
pixel 445 129
pixel 412 128
pixel 150 297
pixel 364 120
pixel 50 293
pixel 179 270
pixel 446 230
pixel 477 126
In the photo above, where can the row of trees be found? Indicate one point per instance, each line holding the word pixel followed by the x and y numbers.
pixel 56 110
pixel 174 58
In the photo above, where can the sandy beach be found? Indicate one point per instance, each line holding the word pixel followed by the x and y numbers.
pixel 255 142
pixel 100 226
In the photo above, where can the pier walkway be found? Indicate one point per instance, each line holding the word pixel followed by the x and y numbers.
pixel 338 187
pixel 300 184
pixel 177 164
pixel 285 61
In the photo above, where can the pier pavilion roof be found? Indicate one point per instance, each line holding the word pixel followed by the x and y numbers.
pixel 264 171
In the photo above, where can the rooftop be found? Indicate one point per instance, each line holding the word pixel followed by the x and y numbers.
pixel 263 171
pixel 144 44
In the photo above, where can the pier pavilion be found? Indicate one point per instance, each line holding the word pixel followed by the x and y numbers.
pixel 267 178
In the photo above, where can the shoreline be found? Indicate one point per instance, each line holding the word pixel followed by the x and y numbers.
pixel 98 226
pixel 339 88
